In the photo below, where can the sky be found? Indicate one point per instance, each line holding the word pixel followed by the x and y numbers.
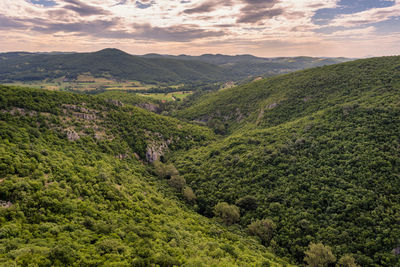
pixel 268 28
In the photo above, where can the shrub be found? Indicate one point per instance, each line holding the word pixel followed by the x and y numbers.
pixel 319 255
pixel 263 229
pixel 165 171
pixel 177 182
pixel 228 213
pixel 188 194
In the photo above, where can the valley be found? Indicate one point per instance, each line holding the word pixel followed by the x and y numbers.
pixel 230 170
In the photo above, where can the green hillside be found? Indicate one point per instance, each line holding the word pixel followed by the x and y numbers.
pixel 75 189
pixel 107 63
pixel 316 151
pixel 248 65
pixel 283 98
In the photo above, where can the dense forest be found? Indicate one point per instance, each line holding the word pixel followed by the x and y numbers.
pixel 117 65
pixel 108 63
pixel 300 168
pixel 75 189
pixel 315 152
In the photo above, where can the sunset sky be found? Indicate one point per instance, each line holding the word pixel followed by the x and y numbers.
pixel 270 28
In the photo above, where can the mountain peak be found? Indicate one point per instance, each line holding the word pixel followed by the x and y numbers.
pixel 113 51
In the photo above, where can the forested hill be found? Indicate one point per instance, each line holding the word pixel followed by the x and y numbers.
pixel 75 189
pixel 114 64
pixel 248 65
pixel 107 63
pixel 284 98
pixel 317 152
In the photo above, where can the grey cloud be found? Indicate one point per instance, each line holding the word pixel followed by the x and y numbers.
pixel 143 4
pixel 10 23
pixel 89 28
pixel 105 29
pixel 84 9
pixel 174 33
pixel 207 7
pixel 253 17
pixel 257 10
pixel 258 2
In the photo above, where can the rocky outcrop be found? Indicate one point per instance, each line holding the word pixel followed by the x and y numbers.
pixel 149 106
pixel 272 106
pixel 115 102
pixel 5 204
pixel 156 149
pixel 72 135
pixel 85 116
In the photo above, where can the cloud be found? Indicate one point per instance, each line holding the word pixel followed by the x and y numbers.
pixel 10 23
pixel 83 9
pixel 207 6
pixel 104 28
pixel 373 15
pixel 178 33
pixel 256 16
pixel 143 4
pixel 188 26
pixel 258 10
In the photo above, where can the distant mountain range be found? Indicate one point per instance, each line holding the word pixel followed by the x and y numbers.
pixel 151 68
pixel 248 65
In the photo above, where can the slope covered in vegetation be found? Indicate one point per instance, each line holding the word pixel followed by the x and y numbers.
pixel 73 191
pixel 107 63
pixel 316 152
pixel 248 65
pixel 272 101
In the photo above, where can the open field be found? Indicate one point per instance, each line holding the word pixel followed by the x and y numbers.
pixel 176 96
pixel 89 83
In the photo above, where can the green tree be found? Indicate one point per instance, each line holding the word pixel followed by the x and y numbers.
pixel 319 255
pixel 165 171
pixel 228 213
pixel 247 203
pixel 177 182
pixel 263 229
pixel 347 261
pixel 188 194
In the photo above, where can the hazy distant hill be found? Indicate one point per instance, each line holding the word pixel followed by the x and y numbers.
pixel 152 68
pixel 108 63
pixel 248 65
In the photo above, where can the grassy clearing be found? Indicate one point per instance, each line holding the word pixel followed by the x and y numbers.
pixel 169 96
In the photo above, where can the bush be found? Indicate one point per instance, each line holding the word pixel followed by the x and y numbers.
pixel 347 261
pixel 319 255
pixel 263 229
pixel 165 171
pixel 189 195
pixel 247 203
pixel 228 213
pixel 177 182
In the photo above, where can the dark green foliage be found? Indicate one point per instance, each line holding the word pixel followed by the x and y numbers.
pixel 229 214
pixel 264 229
pixel 89 201
pixel 284 98
pixel 318 150
pixel 247 203
pixel 177 182
pixel 165 171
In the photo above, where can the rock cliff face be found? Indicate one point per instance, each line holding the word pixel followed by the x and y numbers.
pixel 156 149
pixel 150 107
